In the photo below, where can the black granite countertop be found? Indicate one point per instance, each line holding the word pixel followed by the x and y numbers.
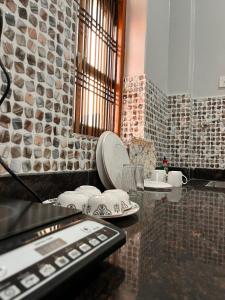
pixel 175 250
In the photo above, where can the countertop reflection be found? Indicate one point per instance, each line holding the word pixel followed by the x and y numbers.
pixel 175 249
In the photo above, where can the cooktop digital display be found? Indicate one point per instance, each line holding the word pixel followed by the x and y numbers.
pixel 51 246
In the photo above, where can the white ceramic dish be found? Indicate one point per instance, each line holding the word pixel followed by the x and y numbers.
pixel 99 162
pixel 103 205
pixel 87 187
pixel 122 196
pixel 50 201
pixel 156 184
pixel 133 210
pixel 88 190
pixel 114 156
pixel 73 199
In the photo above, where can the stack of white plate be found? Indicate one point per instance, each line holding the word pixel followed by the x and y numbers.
pixel 111 155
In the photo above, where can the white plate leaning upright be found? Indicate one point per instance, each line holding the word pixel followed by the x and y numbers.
pixel 99 163
pixel 114 156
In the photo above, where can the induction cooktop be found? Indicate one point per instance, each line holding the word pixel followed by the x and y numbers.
pixel 42 245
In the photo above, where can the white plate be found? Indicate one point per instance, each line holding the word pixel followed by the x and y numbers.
pixel 99 163
pixel 156 185
pixel 114 156
pixel 133 210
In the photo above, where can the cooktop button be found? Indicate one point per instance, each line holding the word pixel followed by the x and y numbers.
pixel 30 280
pixel 86 229
pixel 47 270
pixel 3 271
pixel 84 247
pixel 102 237
pixel 74 254
pixel 9 292
pixel 61 261
pixel 96 227
pixel 94 242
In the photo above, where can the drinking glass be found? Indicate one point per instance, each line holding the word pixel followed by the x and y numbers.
pixel 139 177
pixel 128 179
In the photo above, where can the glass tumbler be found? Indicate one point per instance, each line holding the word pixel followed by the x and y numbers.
pixel 139 177
pixel 128 179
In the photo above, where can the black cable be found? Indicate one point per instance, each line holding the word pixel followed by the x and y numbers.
pixel 1 24
pixel 18 179
pixel 1 160
pixel 8 83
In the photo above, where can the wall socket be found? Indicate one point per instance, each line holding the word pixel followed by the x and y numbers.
pixel 222 82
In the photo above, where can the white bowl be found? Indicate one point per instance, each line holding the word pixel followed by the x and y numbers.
pixel 121 195
pixel 73 199
pixel 103 205
pixel 88 190
pixel 88 187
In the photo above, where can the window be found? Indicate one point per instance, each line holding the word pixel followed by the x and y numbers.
pixel 99 66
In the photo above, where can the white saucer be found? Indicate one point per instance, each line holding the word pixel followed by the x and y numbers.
pixel 156 185
pixel 50 201
pixel 133 210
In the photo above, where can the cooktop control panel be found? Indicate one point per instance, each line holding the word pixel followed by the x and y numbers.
pixel 27 268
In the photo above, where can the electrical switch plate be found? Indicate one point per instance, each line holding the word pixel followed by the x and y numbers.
pixel 222 82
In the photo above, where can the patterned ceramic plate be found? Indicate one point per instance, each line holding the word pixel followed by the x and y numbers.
pixel 133 210
pixel 52 201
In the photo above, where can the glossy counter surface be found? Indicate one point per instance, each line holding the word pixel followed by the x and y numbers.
pixel 175 250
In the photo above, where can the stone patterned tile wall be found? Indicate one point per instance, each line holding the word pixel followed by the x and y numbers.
pixel 145 113
pixel 179 130
pixel 208 133
pixel 133 116
pixel 156 119
pixel 189 132
pixel 38 49
pixel 197 132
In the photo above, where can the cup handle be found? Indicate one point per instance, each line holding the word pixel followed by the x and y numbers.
pixel 186 180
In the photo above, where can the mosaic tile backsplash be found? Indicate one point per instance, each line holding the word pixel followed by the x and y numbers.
pixel 133 109
pixel 156 119
pixel 38 49
pixel 145 113
pixel 179 131
pixel 197 132
pixel 189 132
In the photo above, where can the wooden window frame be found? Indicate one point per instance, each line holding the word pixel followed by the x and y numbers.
pixel 120 64
pixel 118 83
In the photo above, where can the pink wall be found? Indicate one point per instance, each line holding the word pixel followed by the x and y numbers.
pixel 135 37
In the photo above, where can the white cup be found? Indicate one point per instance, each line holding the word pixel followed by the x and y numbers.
pixel 104 205
pixel 158 175
pixel 72 199
pixel 88 190
pixel 175 178
pixel 121 195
